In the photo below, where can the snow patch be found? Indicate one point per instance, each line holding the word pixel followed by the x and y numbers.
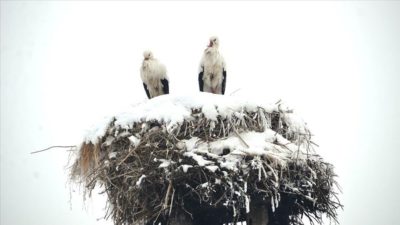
pixel 198 158
pixel 186 167
pixel 112 155
pixel 173 110
pixel 212 168
pixel 165 163
pixel 134 140
pixel 140 180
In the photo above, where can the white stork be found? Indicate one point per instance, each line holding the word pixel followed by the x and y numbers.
pixel 154 76
pixel 212 75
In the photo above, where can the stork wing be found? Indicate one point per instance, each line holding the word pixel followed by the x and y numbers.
pixel 165 84
pixel 223 81
pixel 201 82
pixel 147 90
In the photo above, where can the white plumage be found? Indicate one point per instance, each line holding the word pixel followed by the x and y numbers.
pixel 154 76
pixel 212 75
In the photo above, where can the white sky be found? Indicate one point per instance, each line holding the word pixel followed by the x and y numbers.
pixel 66 64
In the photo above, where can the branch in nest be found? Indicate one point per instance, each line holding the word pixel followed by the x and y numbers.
pixel 71 147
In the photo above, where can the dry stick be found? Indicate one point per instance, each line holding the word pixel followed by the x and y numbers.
pixel 191 215
pixel 129 154
pixel 240 138
pixel 220 199
pixel 172 201
pixel 273 172
pixel 234 91
pixel 314 143
pixel 167 195
pixel 56 146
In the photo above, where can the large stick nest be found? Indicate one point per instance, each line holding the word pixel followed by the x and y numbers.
pixel 148 168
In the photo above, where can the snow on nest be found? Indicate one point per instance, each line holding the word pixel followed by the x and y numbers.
pixel 238 144
pixel 266 144
pixel 173 109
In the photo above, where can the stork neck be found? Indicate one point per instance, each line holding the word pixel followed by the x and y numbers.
pixel 212 50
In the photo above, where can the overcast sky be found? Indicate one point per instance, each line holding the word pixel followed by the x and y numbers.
pixel 66 64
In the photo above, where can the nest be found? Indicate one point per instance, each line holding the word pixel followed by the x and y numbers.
pixel 149 169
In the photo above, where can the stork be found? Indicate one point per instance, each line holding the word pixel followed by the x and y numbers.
pixel 154 76
pixel 212 75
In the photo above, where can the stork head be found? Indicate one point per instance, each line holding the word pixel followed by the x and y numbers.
pixel 214 42
pixel 147 55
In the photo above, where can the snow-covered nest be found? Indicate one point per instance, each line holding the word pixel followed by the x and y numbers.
pixel 205 152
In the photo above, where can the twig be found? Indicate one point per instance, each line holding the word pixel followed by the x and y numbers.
pixel 231 94
pixel 273 172
pixel 172 201
pixel 129 154
pixel 167 195
pixel 56 146
pixel 240 138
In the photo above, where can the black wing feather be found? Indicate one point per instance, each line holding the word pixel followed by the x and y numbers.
pixel 201 82
pixel 223 81
pixel 165 84
pixel 147 90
